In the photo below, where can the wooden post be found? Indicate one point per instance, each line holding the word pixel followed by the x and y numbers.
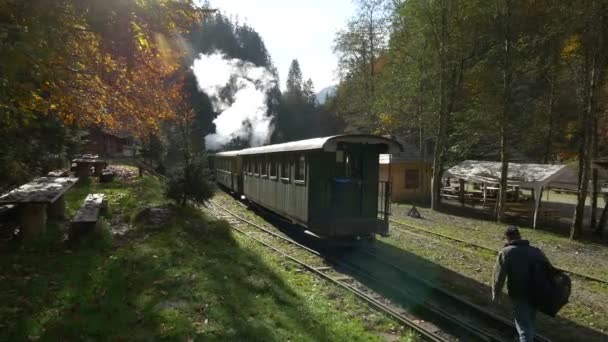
pixel 32 218
pixel 538 197
pixel 461 191
pixel 82 171
pixel 98 168
pixel 56 210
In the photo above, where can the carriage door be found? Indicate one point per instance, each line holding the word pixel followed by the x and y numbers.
pixel 347 186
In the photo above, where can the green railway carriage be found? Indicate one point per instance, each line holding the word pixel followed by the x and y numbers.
pixel 328 185
pixel 227 167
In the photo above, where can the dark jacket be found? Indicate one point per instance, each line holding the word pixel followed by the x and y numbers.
pixel 515 263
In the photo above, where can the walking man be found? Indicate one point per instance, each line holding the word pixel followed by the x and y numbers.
pixel 514 263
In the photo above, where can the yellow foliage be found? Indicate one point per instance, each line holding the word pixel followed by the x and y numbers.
pixel 572 46
pixel 94 72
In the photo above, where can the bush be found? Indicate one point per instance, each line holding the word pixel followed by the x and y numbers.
pixel 190 183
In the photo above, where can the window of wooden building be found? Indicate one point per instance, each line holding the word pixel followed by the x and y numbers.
pixel 256 167
pixel 300 169
pixel 412 179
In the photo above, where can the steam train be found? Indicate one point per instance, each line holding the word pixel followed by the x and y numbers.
pixel 327 185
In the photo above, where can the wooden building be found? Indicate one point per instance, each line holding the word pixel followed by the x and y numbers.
pixel 410 174
pixel 107 144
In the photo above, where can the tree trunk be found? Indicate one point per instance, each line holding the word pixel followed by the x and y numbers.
pixel 600 226
pixel 443 113
pixel 576 228
pixel 594 177
pixel 504 120
pixel 549 140
pixel 438 161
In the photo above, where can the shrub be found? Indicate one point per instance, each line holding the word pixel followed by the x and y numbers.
pixel 190 183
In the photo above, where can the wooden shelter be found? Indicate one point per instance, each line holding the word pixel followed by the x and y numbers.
pixel 525 176
pixel 409 173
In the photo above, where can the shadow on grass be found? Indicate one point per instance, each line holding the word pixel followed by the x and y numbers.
pixel 557 329
pixel 185 279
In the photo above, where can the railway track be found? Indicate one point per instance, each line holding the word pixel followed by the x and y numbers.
pixel 474 245
pixel 320 268
pixel 458 318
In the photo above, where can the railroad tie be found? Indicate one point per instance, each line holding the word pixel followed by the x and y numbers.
pixel 323 268
pixel 343 278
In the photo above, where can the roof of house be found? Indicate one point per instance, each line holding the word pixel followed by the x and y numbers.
pixel 409 154
pixel 329 144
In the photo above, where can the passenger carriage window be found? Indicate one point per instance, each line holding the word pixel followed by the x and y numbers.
pixel 285 169
pixel 352 166
pixel 255 168
pixel 273 169
pixel 264 169
pixel 301 169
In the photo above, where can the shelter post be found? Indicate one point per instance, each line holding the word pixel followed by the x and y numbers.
pixel 461 191
pixel 538 197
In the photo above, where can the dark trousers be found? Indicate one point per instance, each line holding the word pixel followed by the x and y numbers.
pixel 525 316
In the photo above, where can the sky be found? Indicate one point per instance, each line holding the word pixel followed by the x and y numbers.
pixel 302 29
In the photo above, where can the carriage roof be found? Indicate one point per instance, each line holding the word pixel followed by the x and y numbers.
pixel 328 144
pixel 227 154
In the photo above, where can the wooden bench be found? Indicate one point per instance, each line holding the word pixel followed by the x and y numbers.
pixel 87 216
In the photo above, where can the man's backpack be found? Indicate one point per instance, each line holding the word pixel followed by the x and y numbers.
pixel 550 288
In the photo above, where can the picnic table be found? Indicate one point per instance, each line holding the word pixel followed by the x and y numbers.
pixel 83 166
pixel 35 200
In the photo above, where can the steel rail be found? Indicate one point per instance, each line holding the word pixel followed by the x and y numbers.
pixel 493 316
pixel 431 336
pixel 435 310
pixel 412 298
pixel 370 300
pixel 487 315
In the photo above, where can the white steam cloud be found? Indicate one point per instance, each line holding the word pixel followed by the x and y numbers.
pixel 238 91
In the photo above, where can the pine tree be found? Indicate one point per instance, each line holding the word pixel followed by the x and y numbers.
pixel 294 79
pixel 309 93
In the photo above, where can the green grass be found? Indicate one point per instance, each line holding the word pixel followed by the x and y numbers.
pixel 188 278
pixel 580 256
pixel 588 305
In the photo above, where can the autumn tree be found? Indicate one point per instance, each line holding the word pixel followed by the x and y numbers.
pixel 108 64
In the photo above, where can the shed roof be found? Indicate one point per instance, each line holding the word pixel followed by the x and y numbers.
pixel 326 144
pixel 533 176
